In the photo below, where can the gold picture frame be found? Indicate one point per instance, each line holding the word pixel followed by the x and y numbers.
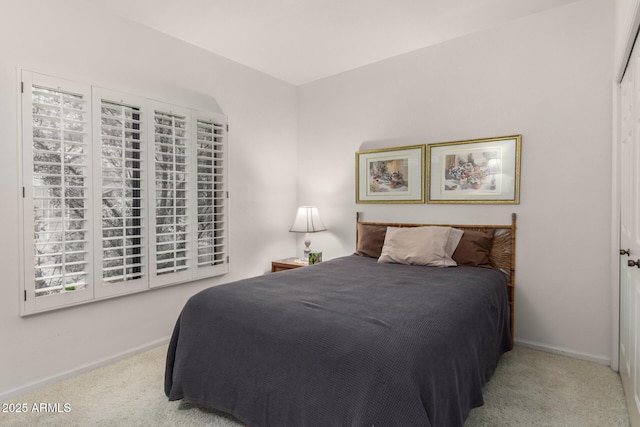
pixel 482 171
pixel 391 175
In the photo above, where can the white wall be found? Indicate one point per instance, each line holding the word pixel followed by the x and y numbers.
pixel 76 40
pixel 548 77
pixel 626 23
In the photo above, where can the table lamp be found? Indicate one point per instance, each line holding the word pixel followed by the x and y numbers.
pixel 307 221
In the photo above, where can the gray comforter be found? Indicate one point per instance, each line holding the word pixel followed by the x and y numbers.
pixel 348 342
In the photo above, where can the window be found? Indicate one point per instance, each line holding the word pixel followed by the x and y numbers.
pixel 57 222
pixel 211 195
pixel 121 194
pixel 172 216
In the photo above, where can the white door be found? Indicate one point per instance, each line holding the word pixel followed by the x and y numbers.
pixel 629 164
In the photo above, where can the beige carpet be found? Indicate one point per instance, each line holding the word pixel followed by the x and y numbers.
pixel 530 388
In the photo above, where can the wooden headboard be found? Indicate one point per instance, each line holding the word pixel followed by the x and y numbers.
pixel 503 251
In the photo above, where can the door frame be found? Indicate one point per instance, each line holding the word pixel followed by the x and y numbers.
pixel 615 234
pixel 630 36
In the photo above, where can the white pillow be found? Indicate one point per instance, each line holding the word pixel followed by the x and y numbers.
pixel 419 246
pixel 452 242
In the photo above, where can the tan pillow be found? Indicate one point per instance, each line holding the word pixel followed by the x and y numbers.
pixel 370 240
pixel 474 249
pixel 417 246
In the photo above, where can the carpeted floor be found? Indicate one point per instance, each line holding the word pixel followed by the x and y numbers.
pixel 529 388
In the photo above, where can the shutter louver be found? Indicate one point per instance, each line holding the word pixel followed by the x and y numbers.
pixel 60 182
pixel 211 185
pixel 171 192
pixel 121 192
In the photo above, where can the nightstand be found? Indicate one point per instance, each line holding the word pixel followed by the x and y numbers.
pixel 288 264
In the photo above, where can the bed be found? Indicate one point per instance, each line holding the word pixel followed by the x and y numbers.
pixel 350 341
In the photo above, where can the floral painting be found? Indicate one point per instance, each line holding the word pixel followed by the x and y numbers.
pixel 472 170
pixel 388 175
pixel 476 171
pixel 391 175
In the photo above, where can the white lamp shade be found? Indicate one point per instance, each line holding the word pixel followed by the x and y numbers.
pixel 307 220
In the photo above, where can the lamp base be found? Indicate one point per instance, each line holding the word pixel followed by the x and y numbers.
pixel 307 243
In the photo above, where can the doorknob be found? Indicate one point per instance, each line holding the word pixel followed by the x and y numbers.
pixel 625 252
pixel 632 263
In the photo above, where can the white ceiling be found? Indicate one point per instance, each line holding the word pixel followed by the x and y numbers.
pixel 300 41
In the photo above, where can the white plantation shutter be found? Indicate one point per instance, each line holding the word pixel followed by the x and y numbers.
pixel 212 219
pixel 120 193
pixel 172 222
pixel 56 166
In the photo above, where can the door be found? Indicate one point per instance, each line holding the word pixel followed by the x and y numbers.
pixel 629 166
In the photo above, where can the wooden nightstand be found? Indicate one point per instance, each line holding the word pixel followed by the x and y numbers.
pixel 288 264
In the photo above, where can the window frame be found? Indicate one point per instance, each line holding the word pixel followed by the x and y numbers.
pixel 96 287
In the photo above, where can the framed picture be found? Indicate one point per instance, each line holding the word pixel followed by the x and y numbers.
pixel 476 171
pixel 391 175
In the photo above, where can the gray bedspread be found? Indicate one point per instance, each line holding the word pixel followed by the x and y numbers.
pixel 347 342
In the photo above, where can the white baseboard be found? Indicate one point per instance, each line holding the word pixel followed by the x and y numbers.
pixel 7 395
pixel 564 352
